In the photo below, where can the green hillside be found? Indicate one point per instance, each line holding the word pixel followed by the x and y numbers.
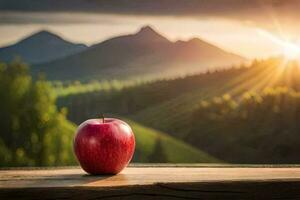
pixel 155 146
pixel 152 146
pixel 130 99
pixel 173 107
pixel 37 133
pixel 172 116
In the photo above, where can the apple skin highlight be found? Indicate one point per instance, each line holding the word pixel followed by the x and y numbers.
pixel 104 146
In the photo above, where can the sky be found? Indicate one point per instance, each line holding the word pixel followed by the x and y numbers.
pixel 248 29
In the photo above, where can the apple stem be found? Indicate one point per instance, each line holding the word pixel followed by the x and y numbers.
pixel 103 118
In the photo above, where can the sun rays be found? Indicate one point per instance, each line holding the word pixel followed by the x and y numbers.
pixel 270 73
pixel 289 50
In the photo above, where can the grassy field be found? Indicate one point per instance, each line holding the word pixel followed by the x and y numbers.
pixel 151 146
pixel 156 146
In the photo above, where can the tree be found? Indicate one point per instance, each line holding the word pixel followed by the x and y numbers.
pixel 33 131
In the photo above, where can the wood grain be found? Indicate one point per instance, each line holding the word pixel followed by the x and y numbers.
pixel 153 183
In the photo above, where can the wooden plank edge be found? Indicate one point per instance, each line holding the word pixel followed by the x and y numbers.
pixel 283 189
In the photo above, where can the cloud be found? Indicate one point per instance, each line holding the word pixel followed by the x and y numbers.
pixel 150 7
pixel 275 15
pixel 23 18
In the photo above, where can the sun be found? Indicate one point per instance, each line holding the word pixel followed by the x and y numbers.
pixel 291 51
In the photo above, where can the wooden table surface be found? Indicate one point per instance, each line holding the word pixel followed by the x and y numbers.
pixel 152 182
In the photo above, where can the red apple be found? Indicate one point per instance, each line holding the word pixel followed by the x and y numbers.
pixel 104 146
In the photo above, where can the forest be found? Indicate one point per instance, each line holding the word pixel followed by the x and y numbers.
pixel 241 114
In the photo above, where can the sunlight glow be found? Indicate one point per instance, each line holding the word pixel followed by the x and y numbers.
pixel 290 50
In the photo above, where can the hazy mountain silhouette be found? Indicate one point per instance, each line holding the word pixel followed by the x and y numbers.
pixel 40 47
pixel 145 53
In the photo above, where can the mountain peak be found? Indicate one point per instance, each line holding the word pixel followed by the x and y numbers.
pixel 147 29
pixel 41 37
pixel 148 33
pixel 41 46
pixel 44 34
pixel 195 40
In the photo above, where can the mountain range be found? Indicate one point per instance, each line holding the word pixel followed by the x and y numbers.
pixel 144 54
pixel 40 47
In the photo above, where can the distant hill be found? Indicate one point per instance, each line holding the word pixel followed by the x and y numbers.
pixel 143 54
pixel 42 46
